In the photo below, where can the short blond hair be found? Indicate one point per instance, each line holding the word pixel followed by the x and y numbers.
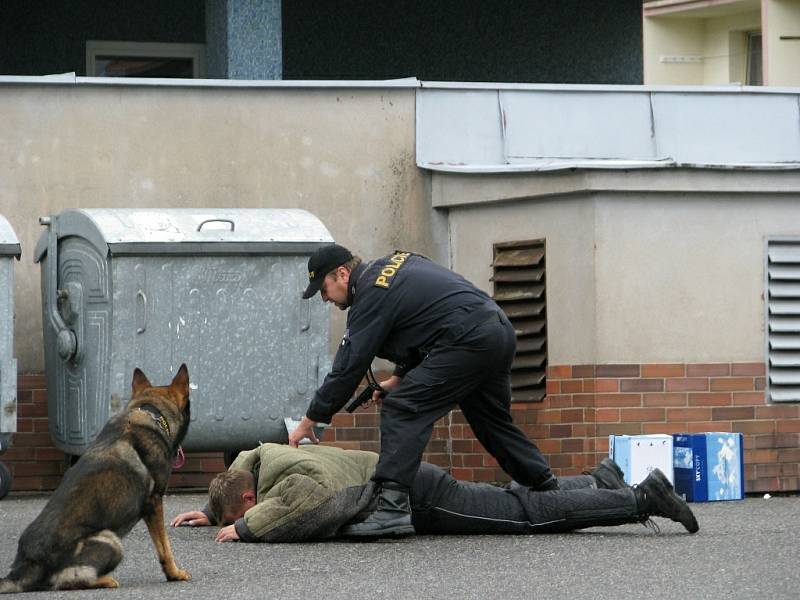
pixel 225 492
pixel 349 265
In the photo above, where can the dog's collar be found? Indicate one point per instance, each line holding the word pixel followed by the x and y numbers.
pixel 156 416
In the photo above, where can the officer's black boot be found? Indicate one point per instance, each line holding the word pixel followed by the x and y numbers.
pixel 609 476
pixel 655 497
pixel 392 517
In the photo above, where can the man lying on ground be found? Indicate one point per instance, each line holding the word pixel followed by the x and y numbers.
pixel 276 493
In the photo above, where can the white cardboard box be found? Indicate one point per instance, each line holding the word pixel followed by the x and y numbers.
pixel 637 455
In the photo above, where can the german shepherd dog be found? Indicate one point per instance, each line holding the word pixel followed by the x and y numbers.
pixel 75 541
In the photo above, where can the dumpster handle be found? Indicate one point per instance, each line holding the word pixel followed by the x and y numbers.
pixel 141 294
pixel 229 221
pixel 66 340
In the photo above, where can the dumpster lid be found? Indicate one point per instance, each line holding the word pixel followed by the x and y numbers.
pixel 9 244
pixel 188 231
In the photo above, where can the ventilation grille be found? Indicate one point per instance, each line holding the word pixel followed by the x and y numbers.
pixel 519 289
pixel 783 321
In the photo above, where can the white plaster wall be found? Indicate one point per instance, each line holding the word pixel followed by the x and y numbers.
pixel 634 275
pixel 346 155
pixel 680 278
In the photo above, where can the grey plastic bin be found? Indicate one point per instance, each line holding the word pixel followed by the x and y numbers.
pixel 9 250
pixel 218 289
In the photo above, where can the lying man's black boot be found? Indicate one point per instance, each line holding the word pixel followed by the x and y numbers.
pixel 609 476
pixel 655 497
pixel 392 517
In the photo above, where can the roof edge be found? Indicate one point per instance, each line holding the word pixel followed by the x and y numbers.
pixel 72 79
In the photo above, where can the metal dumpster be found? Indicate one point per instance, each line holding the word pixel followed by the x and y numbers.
pixel 218 289
pixel 9 250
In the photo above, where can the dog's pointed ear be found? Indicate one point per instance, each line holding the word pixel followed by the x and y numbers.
pixel 140 381
pixel 180 382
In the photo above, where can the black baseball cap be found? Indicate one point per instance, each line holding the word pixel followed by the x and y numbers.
pixel 322 262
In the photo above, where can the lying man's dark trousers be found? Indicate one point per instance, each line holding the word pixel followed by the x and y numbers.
pixel 443 505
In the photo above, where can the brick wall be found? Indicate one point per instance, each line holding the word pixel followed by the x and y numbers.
pixel 676 398
pixel 584 404
pixel 34 463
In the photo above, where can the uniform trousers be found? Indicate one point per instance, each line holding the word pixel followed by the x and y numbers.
pixel 470 370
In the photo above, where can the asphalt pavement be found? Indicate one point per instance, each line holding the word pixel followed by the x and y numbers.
pixel 746 549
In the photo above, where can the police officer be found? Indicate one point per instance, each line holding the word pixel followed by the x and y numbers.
pixel 452 346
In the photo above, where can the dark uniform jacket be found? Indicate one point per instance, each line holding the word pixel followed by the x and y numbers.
pixel 400 305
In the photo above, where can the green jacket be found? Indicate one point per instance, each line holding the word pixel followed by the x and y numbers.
pixel 292 482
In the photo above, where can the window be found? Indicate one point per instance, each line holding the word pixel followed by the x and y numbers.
pixel 139 59
pixel 519 289
pixel 754 60
pixel 782 310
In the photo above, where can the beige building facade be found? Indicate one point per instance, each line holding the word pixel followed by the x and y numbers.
pixel 668 233
pixel 655 211
pixel 634 275
pixel 346 154
pixel 702 42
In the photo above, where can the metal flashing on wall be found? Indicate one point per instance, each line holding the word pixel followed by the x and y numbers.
pixel 73 79
pixel 530 128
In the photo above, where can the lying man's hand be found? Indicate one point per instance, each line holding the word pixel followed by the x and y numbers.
pixel 227 534
pixel 193 518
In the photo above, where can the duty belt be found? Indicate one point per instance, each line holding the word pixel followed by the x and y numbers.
pixel 478 317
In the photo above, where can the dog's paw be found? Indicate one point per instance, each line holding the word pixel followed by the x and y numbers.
pixel 106 581
pixel 180 575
